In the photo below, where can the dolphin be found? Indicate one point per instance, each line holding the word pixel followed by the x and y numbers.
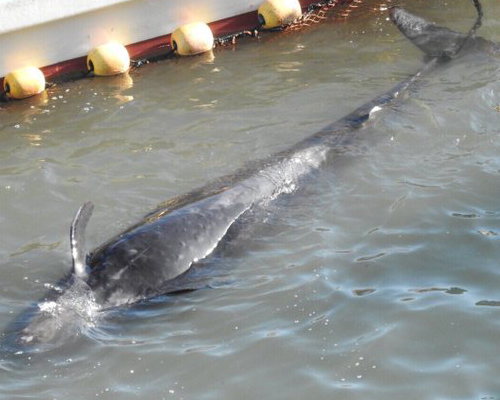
pixel 149 257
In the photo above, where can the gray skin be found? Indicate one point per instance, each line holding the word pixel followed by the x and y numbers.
pixel 141 261
pixel 146 259
pixel 437 41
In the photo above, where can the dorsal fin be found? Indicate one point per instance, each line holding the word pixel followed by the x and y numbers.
pixel 77 239
pixel 433 40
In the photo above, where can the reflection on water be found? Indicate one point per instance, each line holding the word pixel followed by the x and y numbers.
pixel 376 279
pixel 119 83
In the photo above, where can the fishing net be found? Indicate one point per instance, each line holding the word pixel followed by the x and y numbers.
pixel 316 13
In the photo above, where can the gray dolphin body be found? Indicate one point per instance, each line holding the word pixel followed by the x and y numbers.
pixel 140 261
pixel 143 260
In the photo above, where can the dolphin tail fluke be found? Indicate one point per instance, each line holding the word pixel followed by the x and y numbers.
pixel 435 41
pixel 77 239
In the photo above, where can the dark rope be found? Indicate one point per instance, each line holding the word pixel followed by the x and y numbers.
pixel 475 27
pixel 170 54
pixel 479 18
pixel 223 40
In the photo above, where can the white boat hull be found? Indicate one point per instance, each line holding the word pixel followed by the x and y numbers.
pixel 41 33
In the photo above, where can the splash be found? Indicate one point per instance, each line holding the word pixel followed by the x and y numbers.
pixel 73 312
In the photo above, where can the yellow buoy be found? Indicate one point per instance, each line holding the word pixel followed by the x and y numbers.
pixel 193 38
pixel 276 13
pixel 108 59
pixel 24 82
